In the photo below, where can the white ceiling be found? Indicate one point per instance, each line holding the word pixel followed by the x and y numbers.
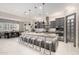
pixel 18 9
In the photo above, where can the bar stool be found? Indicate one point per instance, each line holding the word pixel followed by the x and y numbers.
pixel 42 44
pixel 39 43
pixel 54 44
pixel 28 39
pixel 51 44
pixel 21 39
pixel 25 39
pixel 33 40
pixel 48 45
pixel 24 36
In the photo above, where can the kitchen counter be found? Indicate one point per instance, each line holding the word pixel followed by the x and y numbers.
pixel 52 35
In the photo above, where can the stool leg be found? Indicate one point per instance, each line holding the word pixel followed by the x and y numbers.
pixel 33 43
pixel 40 46
pixel 44 47
pixel 50 48
pixel 27 41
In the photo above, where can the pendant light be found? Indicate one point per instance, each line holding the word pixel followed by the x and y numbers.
pixel 35 11
pixel 29 16
pixel 43 10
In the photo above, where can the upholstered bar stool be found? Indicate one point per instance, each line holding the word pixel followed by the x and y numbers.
pixel 37 44
pixel 48 45
pixel 21 37
pixel 40 42
pixel 51 44
pixel 28 40
pixel 21 40
pixel 33 40
pixel 54 44
pixel 24 38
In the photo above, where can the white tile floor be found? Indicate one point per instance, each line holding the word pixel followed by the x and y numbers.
pixel 12 47
pixel 67 49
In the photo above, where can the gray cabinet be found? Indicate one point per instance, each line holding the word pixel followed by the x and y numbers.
pixel 52 24
pixel 60 23
pixel 39 24
pixel 60 28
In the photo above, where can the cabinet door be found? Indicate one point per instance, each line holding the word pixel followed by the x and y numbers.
pixel 68 30
pixel 71 28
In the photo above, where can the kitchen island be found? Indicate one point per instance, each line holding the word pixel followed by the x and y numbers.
pixel 47 41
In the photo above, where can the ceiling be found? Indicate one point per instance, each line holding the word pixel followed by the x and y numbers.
pixel 19 9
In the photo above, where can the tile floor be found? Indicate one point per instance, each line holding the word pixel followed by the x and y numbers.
pixel 13 47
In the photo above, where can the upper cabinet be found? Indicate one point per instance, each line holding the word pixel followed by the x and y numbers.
pixel 39 24
pixel 4 26
pixel 52 24
pixel 60 24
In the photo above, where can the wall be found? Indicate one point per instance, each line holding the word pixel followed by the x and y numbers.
pixel 78 32
pixel 16 19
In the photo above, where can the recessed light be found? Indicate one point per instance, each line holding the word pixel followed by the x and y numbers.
pixel 40 7
pixel 35 7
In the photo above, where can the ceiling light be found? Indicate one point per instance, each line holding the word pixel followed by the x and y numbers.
pixel 25 13
pixel 40 7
